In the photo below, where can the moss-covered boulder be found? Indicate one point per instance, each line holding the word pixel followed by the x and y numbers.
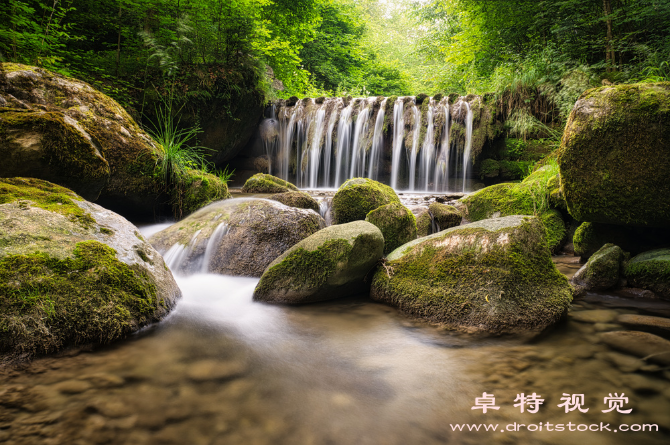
pixel 532 196
pixel 62 130
pixel 72 272
pixel 199 189
pixel 424 221
pixel 590 237
pixel 300 200
pixel 396 222
pixel 235 236
pixel 650 270
pixel 264 183
pixel 359 196
pixel 494 276
pixel 445 216
pixel 331 263
pixel 602 271
pixel 615 156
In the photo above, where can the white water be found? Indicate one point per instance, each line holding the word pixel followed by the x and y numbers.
pixel 324 145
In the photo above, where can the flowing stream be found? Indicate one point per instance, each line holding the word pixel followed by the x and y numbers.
pixel 222 369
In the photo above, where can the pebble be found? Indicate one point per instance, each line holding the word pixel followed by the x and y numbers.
pixel 640 344
pixel 72 386
pixel 595 316
pixel 646 322
pixel 113 409
pixel 206 370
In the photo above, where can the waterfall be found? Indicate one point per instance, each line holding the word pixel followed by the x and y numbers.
pixel 178 254
pixel 468 144
pixel 377 143
pixel 442 164
pixel 315 147
pixel 427 162
pixel 422 149
pixel 343 143
pixel 415 147
pixel 358 148
pixel 398 135
pixel 212 244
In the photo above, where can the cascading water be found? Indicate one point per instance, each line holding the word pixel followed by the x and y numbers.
pixel 326 143
pixel 377 143
pixel 416 133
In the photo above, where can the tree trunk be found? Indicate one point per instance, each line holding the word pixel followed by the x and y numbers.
pixel 609 51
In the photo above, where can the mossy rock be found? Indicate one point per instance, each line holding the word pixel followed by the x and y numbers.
pixel 513 170
pixel 602 271
pixel 424 222
pixel 200 189
pixel 489 168
pixel 615 156
pixel 332 263
pixel 300 200
pixel 248 234
pixel 590 237
pixel 445 216
pixel 396 222
pixel 492 276
pixel 69 133
pixel 359 196
pixel 556 230
pixel 72 272
pixel 264 183
pixel 650 270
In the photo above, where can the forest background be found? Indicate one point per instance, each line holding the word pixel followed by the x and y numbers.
pixel 527 51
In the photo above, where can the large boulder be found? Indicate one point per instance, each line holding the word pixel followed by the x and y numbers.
pixel 264 183
pixel 615 156
pixel 532 196
pixel 331 263
pixel 396 222
pixel 300 200
pixel 72 272
pixel 590 237
pixel 62 130
pixel 444 216
pixel 650 270
pixel 602 271
pixel 494 275
pixel 359 196
pixel 235 236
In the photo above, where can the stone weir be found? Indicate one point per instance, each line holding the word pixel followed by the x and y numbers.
pixel 422 144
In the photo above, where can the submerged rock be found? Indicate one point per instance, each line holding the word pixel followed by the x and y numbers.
pixel 264 183
pixel 494 275
pixel 300 200
pixel 650 270
pixel 615 156
pixel 397 224
pixel 72 272
pixel 639 344
pixel 602 271
pixel 235 237
pixel 331 263
pixel 359 196
pixel 646 323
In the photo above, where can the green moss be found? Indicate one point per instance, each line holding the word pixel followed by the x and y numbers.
pixel 359 196
pixel 264 183
pixel 300 200
pixel 49 303
pixel 199 189
pixel 556 230
pixel 499 288
pixel 650 270
pixel 590 237
pixel 44 195
pixel 445 216
pixel 611 172
pixel 396 222
pixel 424 224
pixel 106 231
pixel 489 168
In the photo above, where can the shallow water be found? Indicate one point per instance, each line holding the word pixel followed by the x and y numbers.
pixel 222 369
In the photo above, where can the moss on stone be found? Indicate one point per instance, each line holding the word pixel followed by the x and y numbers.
pixel 445 216
pixel 396 222
pixel 47 303
pixel 199 189
pixel 300 200
pixel 556 230
pixel 590 237
pixel 650 270
pixel 494 275
pixel 613 172
pixel 44 195
pixel 264 183
pixel 359 196
pixel 489 168
pixel 424 224
pixel 602 271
